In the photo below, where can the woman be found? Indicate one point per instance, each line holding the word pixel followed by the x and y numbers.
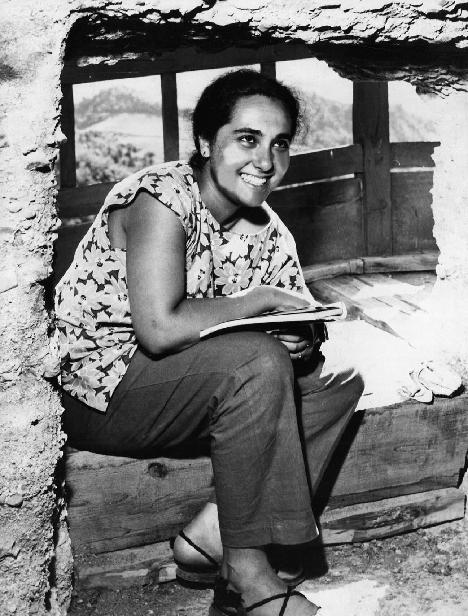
pixel 175 249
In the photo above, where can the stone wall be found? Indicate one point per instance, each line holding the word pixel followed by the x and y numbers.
pixel 424 41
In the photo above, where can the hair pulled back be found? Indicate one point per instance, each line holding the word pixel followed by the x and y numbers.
pixel 216 104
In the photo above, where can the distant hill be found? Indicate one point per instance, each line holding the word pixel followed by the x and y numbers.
pixel 108 103
pixel 118 132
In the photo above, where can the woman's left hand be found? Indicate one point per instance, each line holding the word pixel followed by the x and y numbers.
pixel 300 343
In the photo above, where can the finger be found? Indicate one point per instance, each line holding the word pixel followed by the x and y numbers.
pixel 291 346
pixel 304 353
pixel 290 337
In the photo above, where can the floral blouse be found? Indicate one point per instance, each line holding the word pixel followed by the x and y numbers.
pixel 94 331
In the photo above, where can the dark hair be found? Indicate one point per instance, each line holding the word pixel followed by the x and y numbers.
pixel 216 104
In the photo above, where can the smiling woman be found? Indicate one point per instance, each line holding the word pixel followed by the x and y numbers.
pixel 175 249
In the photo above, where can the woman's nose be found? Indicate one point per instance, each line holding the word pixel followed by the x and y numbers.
pixel 263 159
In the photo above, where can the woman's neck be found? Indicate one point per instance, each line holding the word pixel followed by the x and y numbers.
pixel 225 212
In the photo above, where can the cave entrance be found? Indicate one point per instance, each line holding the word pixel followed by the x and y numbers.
pixel 362 219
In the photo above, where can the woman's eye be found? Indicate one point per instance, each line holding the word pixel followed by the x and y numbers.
pixel 247 139
pixel 282 144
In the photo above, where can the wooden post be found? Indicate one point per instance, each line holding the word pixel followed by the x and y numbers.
pixel 268 69
pixel 371 130
pixel 67 149
pixel 170 116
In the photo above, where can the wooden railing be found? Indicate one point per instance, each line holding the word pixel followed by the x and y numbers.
pixel 370 198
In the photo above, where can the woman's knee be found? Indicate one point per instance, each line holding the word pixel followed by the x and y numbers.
pixel 354 382
pixel 263 353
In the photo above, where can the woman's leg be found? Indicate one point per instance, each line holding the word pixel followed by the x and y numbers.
pixel 238 389
pixel 327 399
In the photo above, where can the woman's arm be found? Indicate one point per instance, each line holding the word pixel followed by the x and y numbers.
pixel 163 319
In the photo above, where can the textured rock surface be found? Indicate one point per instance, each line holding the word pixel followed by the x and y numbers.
pixel 421 40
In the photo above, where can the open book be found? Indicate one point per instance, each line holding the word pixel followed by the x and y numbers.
pixel 308 314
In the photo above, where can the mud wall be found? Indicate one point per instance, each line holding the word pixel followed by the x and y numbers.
pixel 422 41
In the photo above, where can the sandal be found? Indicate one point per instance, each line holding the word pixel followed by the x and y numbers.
pixel 227 602
pixel 199 576
pixel 196 575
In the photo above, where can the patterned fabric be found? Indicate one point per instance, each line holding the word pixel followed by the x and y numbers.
pixel 94 326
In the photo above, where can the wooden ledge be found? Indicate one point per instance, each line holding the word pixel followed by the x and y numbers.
pixel 414 262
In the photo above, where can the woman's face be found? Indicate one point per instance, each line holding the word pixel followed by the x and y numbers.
pixel 249 156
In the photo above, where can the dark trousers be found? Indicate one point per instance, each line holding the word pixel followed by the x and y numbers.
pixel 271 427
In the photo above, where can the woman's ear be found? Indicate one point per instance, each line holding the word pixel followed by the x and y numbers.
pixel 205 149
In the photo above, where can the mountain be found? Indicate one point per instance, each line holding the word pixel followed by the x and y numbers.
pixel 108 103
pixel 118 132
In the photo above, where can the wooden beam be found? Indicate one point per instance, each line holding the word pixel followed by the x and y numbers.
pixel 416 262
pixel 268 69
pixel 82 201
pixel 412 154
pixel 391 516
pixel 154 563
pixel 170 116
pixel 138 566
pixel 412 217
pixel 67 149
pixel 187 58
pixel 371 130
pixel 117 503
pixel 324 164
pixel 318 165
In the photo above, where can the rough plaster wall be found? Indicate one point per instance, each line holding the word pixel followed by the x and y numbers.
pixel 30 511
pixel 450 207
pixel 33 539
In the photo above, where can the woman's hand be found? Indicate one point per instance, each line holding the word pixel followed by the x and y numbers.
pixel 300 341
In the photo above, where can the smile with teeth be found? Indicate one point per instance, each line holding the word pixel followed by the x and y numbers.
pixel 253 180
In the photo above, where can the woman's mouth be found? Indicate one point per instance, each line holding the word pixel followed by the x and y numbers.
pixel 253 180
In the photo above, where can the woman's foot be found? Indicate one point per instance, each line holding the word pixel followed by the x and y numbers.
pixel 203 531
pixel 248 573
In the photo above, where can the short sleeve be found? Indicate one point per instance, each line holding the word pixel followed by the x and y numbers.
pixel 173 190
pixel 171 185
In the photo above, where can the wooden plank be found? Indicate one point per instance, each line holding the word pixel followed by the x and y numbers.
pixel 117 503
pixel 184 58
pixel 325 218
pixel 356 523
pixel 331 269
pixel 340 289
pixel 170 116
pixel 412 217
pixel 138 566
pixel 391 516
pixel 82 201
pixel 398 263
pixel 371 130
pixel 412 153
pixel 64 248
pixel 399 449
pixel 87 200
pixel 324 164
pixel 268 69
pixel 385 291
pixel 67 149
pixel 365 265
pixel 402 296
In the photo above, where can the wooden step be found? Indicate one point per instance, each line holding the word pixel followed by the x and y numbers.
pixel 356 523
pixel 117 503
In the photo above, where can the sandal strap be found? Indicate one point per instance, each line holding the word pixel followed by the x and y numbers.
pixel 284 595
pixel 198 548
